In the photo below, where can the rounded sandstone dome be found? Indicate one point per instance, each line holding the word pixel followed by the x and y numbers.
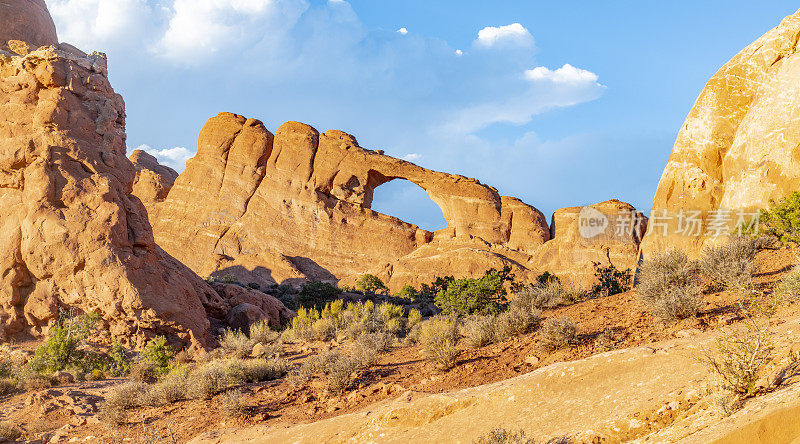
pixel 27 20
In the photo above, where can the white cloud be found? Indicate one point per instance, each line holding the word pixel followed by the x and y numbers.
pixel 98 24
pixel 412 157
pixel 199 29
pixel 174 158
pixel 565 74
pixel 459 52
pixel 512 35
pixel 402 31
pixel 545 90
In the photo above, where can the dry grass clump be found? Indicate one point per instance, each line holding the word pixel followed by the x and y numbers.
pixel 339 321
pixel 262 333
pixel 369 346
pixel 502 436
pixel 606 341
pixel 143 371
pixel 479 330
pixel 517 320
pixel 9 432
pixel 544 295
pixel 236 343
pixel 558 333
pixel 259 370
pixel 121 399
pixel 788 289
pixel 439 339
pixel 209 380
pixel 232 404
pixel 669 286
pixel 731 266
pixel 341 372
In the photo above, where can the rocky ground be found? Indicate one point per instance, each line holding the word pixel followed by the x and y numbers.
pixel 641 380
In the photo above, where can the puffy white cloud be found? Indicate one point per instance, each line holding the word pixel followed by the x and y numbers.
pixel 174 158
pixel 99 24
pixel 412 157
pixel 509 35
pixel 565 74
pixel 402 31
pixel 199 29
pixel 540 91
pixel 459 52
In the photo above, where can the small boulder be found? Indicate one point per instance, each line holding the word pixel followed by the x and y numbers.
pixel 62 378
pixel 243 315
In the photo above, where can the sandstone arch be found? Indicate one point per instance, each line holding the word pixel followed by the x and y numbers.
pixel 409 202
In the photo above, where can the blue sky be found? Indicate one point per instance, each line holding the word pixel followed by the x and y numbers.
pixel 557 103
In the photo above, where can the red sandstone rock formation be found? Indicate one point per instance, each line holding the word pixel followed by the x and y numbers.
pixel 296 205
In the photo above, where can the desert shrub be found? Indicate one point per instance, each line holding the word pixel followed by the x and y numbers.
pixel 788 289
pixel 32 380
pixel 317 294
pixel 731 266
pixel 172 388
pixel 232 404
pixel 438 337
pixel 782 220
pixel 258 370
pixel 158 352
pixel 367 348
pixel 516 321
pixel 408 292
pixel 503 436
pixel 610 280
pixel 63 346
pixel 236 343
pixel 605 341
pixel 120 399
pixel 371 284
pixel 541 295
pixel 558 333
pixel 741 355
pixel 119 363
pixel 414 318
pixel 479 330
pixel 341 372
pixel 262 333
pixel 547 277
pixel 668 286
pixel 208 380
pixel 7 386
pixel 9 432
pixel 94 375
pixel 142 371
pixel 323 329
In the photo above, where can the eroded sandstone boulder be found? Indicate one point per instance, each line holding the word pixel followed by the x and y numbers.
pixel 737 148
pixel 71 232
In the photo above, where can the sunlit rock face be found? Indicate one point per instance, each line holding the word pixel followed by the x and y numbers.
pixel 738 148
pixel 296 205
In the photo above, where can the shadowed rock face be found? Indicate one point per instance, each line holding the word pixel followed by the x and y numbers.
pixel 738 147
pixel 296 205
pixel 28 21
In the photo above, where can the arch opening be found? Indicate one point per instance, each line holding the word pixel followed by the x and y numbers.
pixel 408 202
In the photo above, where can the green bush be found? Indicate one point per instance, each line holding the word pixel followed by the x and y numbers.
pixel 669 287
pixel 408 292
pixel 317 294
pixel 120 364
pixel 610 280
pixel 782 220
pixel 428 292
pixel 62 347
pixel 159 353
pixel 547 277
pixel 371 284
